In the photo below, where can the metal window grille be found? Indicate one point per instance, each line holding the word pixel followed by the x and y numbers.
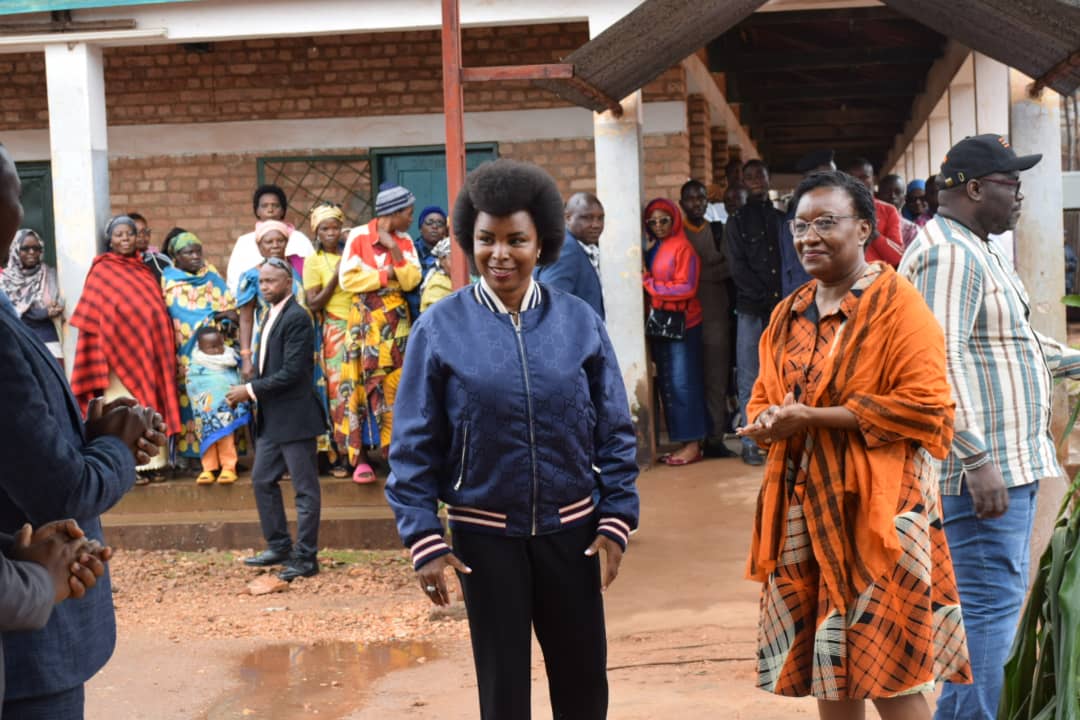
pixel 311 180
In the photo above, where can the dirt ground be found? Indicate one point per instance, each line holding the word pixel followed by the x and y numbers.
pixel 359 641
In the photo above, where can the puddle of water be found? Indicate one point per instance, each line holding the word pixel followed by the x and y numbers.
pixel 298 681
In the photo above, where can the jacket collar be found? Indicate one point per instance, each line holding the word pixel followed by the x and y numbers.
pixel 487 297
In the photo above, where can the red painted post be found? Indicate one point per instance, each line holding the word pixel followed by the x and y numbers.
pixel 454 109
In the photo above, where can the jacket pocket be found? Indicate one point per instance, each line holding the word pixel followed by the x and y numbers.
pixel 464 458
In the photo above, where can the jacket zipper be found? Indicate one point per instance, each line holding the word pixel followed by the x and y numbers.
pixel 464 452
pixel 515 318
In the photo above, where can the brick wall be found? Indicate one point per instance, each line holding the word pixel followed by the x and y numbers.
pixel 305 77
pixel 698 122
pixel 210 195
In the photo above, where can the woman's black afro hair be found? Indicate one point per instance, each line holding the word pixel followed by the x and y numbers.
pixel 503 187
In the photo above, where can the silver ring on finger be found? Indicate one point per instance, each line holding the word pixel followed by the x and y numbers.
pixel 430 589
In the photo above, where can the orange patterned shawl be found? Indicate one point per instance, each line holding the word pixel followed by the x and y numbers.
pixel 888 368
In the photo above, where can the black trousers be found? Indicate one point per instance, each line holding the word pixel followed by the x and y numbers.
pixel 547 583
pixel 300 460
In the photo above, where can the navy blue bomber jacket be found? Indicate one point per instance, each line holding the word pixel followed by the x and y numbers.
pixel 521 427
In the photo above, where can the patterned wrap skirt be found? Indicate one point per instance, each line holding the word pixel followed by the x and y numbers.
pixel 377 332
pixel 899 636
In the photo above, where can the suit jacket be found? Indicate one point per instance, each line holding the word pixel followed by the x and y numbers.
pixel 573 273
pixel 26 597
pixel 50 472
pixel 287 408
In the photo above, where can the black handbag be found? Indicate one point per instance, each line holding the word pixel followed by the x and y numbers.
pixel 666 324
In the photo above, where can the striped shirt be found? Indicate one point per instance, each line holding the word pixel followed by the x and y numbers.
pixel 1001 370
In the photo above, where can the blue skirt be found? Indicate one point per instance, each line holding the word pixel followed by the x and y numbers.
pixel 680 374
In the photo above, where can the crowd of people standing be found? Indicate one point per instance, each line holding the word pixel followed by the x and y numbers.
pixel 902 437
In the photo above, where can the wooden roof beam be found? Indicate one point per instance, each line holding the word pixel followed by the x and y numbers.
pixel 721 60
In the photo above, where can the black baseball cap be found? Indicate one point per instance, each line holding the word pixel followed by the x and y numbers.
pixel 981 155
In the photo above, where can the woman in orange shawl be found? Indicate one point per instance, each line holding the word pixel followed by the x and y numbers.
pixel 859 599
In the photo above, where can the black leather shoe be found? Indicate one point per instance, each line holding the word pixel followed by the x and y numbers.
pixel 752 456
pixel 267 558
pixel 299 567
pixel 717 449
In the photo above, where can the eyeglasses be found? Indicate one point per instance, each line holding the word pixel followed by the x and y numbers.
pixel 1002 181
pixel 145 232
pixel 435 222
pixel 32 249
pixel 659 222
pixel 824 226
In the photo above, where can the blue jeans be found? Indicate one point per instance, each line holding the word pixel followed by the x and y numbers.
pixel 747 337
pixel 682 387
pixel 991 559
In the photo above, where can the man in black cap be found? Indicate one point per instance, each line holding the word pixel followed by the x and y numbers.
pixel 753 240
pixel 1002 372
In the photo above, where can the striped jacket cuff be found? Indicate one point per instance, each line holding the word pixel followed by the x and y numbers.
pixel 614 529
pixel 427 549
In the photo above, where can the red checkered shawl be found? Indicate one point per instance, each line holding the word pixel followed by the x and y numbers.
pixel 124 327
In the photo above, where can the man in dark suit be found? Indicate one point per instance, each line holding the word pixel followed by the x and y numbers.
pixel 56 467
pixel 288 419
pixel 577 271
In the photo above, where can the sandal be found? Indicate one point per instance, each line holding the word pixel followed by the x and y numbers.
pixel 205 478
pixel 141 479
pixel 226 477
pixel 675 461
pixel 339 471
pixel 157 477
pixel 363 475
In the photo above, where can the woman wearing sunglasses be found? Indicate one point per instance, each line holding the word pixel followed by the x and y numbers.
pixel 672 284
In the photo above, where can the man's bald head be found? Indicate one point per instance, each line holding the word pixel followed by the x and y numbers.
pixel 11 211
pixel 585 217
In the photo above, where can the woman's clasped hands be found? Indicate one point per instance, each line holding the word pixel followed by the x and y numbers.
pixel 778 422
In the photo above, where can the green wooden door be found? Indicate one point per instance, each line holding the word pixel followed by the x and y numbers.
pixel 423 171
pixel 37 202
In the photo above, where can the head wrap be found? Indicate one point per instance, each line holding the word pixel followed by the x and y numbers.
pixel 118 220
pixel 183 240
pixel 430 210
pixel 916 185
pixel 391 198
pixel 321 213
pixel 669 208
pixel 265 226
pixel 23 286
pixel 441 249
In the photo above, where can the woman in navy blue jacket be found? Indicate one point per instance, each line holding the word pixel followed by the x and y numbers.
pixel 512 411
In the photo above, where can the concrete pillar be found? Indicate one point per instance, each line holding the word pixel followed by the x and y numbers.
pixel 939 134
pixel 80 164
pixel 1036 128
pixel 620 186
pixel 991 95
pixel 962 103
pixel 920 154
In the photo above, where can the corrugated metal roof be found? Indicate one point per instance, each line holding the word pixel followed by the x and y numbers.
pixel 1038 37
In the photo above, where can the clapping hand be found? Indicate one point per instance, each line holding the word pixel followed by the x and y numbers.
pixel 777 422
